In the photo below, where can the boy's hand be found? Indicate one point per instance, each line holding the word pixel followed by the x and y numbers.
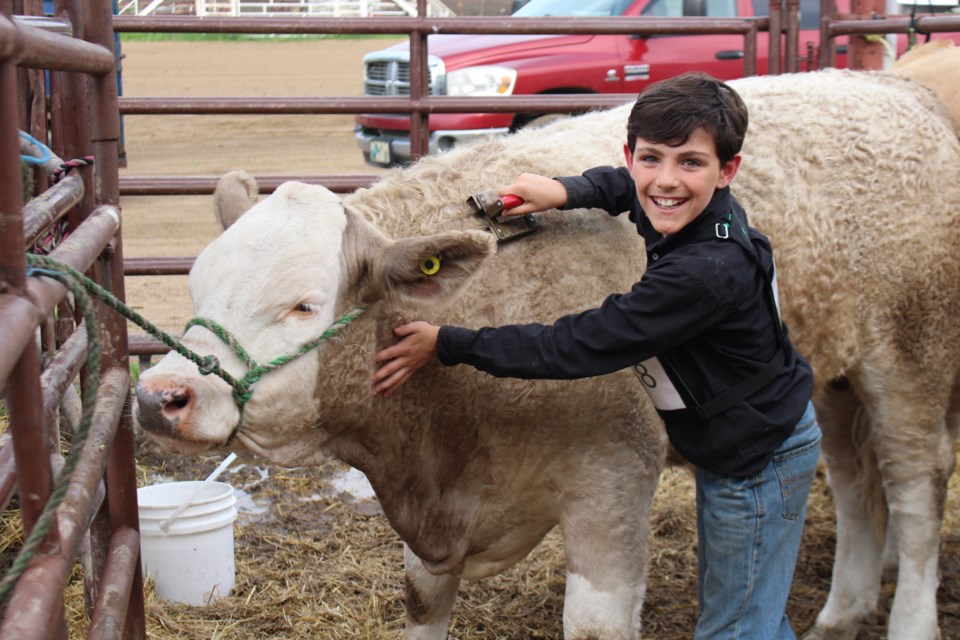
pixel 417 347
pixel 539 193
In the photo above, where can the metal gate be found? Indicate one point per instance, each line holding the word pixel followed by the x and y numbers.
pixel 68 64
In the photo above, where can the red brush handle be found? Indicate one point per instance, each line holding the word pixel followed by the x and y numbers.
pixel 511 201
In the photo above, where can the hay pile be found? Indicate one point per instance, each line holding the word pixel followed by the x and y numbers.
pixel 318 563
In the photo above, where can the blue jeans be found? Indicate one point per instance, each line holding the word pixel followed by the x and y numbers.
pixel 748 533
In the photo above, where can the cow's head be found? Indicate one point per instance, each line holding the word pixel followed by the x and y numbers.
pixel 276 280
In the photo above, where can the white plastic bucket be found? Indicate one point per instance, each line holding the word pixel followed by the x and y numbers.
pixel 193 561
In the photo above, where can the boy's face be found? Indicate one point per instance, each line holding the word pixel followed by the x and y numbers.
pixel 675 184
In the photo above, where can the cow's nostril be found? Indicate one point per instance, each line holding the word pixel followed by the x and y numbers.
pixel 179 403
pixel 176 404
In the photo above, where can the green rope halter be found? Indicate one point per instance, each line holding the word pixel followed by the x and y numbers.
pixel 243 388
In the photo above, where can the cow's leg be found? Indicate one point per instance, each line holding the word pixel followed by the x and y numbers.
pixel 916 457
pixel 605 540
pixel 856 569
pixel 429 600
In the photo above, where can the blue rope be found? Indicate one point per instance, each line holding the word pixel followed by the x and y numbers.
pixel 47 154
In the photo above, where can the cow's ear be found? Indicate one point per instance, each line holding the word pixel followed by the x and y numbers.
pixel 431 267
pixel 236 193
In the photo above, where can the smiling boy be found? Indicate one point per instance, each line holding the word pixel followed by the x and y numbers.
pixel 702 331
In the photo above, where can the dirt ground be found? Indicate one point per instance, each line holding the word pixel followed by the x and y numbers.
pixel 356 578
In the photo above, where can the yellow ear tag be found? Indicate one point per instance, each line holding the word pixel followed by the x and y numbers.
pixel 430 265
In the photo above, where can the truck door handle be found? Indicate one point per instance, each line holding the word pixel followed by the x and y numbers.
pixel 730 54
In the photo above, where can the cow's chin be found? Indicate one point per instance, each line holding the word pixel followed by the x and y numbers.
pixel 284 453
pixel 183 447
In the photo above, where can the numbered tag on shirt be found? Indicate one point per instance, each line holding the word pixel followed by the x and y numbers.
pixel 658 386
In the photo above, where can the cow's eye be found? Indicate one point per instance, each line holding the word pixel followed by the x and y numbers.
pixel 304 309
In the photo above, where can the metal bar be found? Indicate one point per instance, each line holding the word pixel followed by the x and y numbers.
pixel 866 53
pixel 773 56
pixel 31 446
pixel 122 496
pixel 427 26
pixel 62 370
pixel 927 24
pixel 79 505
pixel 121 609
pixel 118 578
pixel 12 262
pixel 145 345
pixel 750 52
pixel 792 44
pixel 44 210
pixel 199 185
pixel 30 47
pixel 19 319
pixel 51 25
pixel 177 266
pixel 827 57
pixel 552 103
pixel 419 90
pixel 38 594
pixel 8 470
pixel 78 251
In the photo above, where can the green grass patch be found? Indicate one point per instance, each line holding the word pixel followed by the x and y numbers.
pixel 134 372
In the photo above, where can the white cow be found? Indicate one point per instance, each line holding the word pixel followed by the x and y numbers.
pixel 853 175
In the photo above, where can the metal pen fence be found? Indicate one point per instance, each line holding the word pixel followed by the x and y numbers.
pixel 68 63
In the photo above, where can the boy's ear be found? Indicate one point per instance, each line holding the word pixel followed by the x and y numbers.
pixel 628 155
pixel 728 171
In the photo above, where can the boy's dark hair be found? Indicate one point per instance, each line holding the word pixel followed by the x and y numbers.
pixel 668 111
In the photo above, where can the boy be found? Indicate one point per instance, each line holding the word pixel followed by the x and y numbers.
pixel 702 331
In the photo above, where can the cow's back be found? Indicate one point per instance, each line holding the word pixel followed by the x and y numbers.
pixel 857 263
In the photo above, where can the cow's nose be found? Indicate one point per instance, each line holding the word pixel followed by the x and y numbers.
pixel 164 404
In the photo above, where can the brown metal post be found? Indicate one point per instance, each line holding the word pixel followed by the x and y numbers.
pixel 104 117
pixel 791 50
pixel 750 51
pixel 826 56
pixel 776 13
pixel 865 51
pixel 419 88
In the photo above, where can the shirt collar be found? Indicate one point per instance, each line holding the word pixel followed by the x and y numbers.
pixel 719 205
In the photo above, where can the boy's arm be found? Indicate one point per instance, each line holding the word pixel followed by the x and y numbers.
pixel 538 193
pixel 608 188
pixel 604 188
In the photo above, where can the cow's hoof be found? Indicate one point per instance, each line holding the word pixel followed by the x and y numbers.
pixel 826 633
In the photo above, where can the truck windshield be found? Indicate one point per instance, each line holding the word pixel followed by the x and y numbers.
pixel 592 8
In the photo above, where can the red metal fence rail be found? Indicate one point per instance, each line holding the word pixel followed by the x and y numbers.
pixel 100 503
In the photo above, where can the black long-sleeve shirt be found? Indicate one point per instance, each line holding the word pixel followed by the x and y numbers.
pixel 699 322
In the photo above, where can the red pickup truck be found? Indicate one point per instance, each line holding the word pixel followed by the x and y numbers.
pixel 502 65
